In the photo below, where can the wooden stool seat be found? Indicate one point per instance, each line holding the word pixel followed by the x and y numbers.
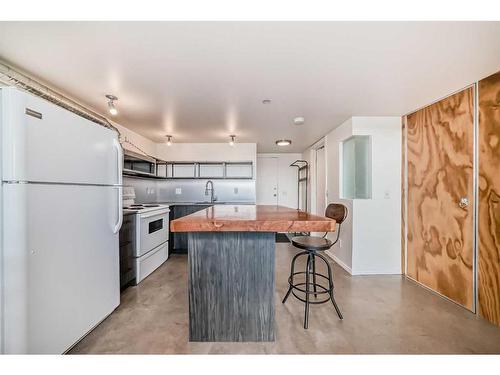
pixel 312 243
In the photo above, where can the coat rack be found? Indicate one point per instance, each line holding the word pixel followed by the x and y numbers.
pixel 302 177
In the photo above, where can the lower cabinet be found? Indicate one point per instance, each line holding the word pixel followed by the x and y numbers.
pixel 178 241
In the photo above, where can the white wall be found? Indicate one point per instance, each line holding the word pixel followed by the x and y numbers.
pixel 343 249
pixel 377 221
pixel 287 178
pixel 207 151
pixel 129 138
pixel 370 236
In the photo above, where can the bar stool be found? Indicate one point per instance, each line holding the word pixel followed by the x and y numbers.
pixel 312 246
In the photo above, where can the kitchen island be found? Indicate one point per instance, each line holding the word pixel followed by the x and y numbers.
pixel 231 267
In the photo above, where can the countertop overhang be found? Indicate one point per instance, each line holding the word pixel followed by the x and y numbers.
pixel 252 218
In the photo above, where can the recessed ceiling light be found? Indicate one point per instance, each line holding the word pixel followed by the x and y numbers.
pixel 299 120
pixel 231 142
pixel 169 140
pixel 266 101
pixel 111 105
pixel 283 142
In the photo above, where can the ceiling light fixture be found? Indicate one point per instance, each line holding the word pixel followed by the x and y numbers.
pixel 299 120
pixel 169 140
pixel 283 142
pixel 111 105
pixel 266 101
pixel 231 142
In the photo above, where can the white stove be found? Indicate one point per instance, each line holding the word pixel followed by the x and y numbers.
pixel 151 234
pixel 143 208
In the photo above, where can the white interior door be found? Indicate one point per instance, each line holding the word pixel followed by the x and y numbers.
pixel 320 181
pixel 267 180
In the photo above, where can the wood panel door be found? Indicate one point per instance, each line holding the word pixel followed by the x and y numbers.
pixel 440 146
pixel 489 199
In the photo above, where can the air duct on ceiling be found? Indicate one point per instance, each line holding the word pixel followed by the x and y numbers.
pixel 12 77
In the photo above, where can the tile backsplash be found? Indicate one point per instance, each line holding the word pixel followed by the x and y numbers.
pixel 226 190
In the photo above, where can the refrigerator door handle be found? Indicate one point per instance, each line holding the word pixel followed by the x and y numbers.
pixel 119 160
pixel 118 225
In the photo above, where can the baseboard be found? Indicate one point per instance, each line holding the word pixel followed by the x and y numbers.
pixel 358 273
pixel 339 262
pixel 372 272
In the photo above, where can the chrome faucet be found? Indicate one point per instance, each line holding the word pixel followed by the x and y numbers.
pixel 211 189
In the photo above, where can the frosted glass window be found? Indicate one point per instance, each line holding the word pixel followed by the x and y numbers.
pixel 357 168
pixel 238 170
pixel 184 170
pixel 212 170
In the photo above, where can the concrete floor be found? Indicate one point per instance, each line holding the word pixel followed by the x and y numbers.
pixel 382 314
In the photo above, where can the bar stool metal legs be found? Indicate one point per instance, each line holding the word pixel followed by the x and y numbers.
pixel 311 287
pixel 292 273
pixel 306 310
pixel 330 278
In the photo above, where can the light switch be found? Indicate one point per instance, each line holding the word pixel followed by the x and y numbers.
pixel 387 194
pixel 178 191
pixel 235 190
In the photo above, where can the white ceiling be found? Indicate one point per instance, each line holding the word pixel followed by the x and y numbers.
pixel 201 81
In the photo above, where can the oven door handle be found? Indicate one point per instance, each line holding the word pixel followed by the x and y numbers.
pixel 154 214
pixel 119 199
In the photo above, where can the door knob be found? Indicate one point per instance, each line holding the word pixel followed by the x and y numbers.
pixel 464 202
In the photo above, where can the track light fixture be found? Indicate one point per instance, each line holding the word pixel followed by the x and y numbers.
pixel 111 105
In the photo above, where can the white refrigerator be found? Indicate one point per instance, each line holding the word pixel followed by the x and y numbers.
pixel 61 211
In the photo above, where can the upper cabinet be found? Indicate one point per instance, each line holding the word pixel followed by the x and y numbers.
pixel 183 170
pixel 205 170
pixel 239 170
pixel 211 170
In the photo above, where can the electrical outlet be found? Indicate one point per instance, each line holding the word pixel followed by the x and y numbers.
pixel 178 191
pixel 235 190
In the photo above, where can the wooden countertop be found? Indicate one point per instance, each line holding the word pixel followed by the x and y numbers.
pixel 251 218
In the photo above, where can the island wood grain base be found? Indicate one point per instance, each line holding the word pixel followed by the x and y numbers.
pixel 231 286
